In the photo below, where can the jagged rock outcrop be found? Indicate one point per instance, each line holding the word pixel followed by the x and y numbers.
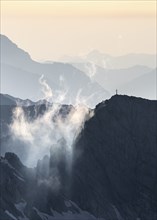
pixel 12 185
pixel 26 194
pixel 113 174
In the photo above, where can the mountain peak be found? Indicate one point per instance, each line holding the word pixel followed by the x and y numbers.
pixel 120 100
pixel 11 53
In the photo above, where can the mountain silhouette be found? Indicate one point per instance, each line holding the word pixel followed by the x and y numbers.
pixel 113 174
pixel 20 76
pixel 113 62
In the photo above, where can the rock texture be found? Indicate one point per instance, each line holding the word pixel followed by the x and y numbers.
pixel 118 159
pixel 113 174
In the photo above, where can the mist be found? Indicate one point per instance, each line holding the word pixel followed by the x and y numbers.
pixel 58 125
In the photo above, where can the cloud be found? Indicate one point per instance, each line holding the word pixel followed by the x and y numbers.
pixel 91 69
pixel 45 88
pixel 54 131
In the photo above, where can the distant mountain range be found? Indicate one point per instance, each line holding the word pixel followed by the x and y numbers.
pixel 113 62
pixel 140 81
pixel 126 73
pixel 91 78
pixel 20 77
pixel 142 86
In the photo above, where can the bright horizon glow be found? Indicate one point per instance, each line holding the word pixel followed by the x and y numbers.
pixel 79 8
pixel 51 29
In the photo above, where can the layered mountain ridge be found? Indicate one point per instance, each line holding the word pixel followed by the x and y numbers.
pixel 93 79
pixel 20 75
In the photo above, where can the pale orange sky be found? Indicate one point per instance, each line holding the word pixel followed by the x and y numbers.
pixel 50 29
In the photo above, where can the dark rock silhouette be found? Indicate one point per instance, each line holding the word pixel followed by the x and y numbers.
pixel 114 169
pixel 118 148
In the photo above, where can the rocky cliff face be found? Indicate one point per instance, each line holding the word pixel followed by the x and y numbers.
pixel 32 111
pixel 118 159
pixel 28 194
pixel 113 176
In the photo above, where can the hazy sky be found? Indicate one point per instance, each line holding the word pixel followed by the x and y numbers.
pixel 50 29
